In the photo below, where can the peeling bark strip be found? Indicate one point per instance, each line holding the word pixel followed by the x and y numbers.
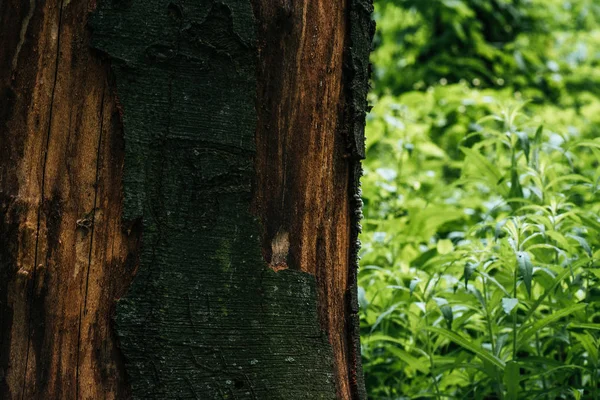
pixel 357 73
pixel 236 144
pixel 64 255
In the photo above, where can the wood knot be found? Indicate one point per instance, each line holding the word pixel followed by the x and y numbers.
pixel 23 273
pixel 86 221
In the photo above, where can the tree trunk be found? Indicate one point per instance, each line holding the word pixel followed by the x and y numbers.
pixel 198 161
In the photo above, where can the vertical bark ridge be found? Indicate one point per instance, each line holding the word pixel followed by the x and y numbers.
pixel 83 307
pixel 302 172
pixel 44 158
pixel 357 71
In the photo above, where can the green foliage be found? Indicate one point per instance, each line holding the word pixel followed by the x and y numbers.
pixel 481 243
pixel 531 45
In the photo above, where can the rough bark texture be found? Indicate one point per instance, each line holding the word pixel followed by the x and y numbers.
pixel 240 162
pixel 65 256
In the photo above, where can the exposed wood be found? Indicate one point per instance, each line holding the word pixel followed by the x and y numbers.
pixel 64 255
pixel 302 164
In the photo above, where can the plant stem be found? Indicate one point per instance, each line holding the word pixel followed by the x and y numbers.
pixel 430 354
pixel 594 374
pixel 539 351
pixel 515 313
pixel 488 317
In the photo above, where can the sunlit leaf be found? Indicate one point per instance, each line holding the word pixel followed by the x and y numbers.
pixel 526 332
pixel 468 345
pixel 444 246
pixel 508 304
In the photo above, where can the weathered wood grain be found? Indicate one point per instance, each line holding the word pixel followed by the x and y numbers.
pixel 65 256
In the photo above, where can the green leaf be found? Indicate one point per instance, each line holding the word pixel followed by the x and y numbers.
pixel 516 191
pixel 512 377
pixel 524 143
pixel 468 345
pixel 508 304
pixel 413 285
pixel 488 171
pixel 419 364
pixel 583 243
pixel 446 310
pixel 502 340
pixel 444 246
pixel 526 269
pixel 378 337
pixel 560 239
pixel 536 152
pixel 563 274
pixel 569 179
pixel 498 228
pixel 588 143
pixel 526 332
pixel 538 134
pixel 495 282
pixel 469 270
pixel 578 325
pixel 589 343
pixel 477 294
pixel 383 316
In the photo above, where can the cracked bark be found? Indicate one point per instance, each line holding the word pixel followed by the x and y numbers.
pixel 64 254
pixel 228 132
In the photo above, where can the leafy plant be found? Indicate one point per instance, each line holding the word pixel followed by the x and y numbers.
pixel 485 285
pixel 481 243
pixel 544 48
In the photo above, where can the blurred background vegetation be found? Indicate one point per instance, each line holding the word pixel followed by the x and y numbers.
pixel 480 261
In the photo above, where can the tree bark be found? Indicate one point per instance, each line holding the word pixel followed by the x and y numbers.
pixel 179 198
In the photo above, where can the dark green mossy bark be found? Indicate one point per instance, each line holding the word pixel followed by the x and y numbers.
pixel 205 317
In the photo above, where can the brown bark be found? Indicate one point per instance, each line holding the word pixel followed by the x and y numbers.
pixel 302 166
pixel 65 255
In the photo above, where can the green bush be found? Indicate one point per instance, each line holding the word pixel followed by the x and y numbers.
pixel 533 45
pixel 481 243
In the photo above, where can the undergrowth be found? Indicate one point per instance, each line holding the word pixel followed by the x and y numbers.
pixel 481 245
